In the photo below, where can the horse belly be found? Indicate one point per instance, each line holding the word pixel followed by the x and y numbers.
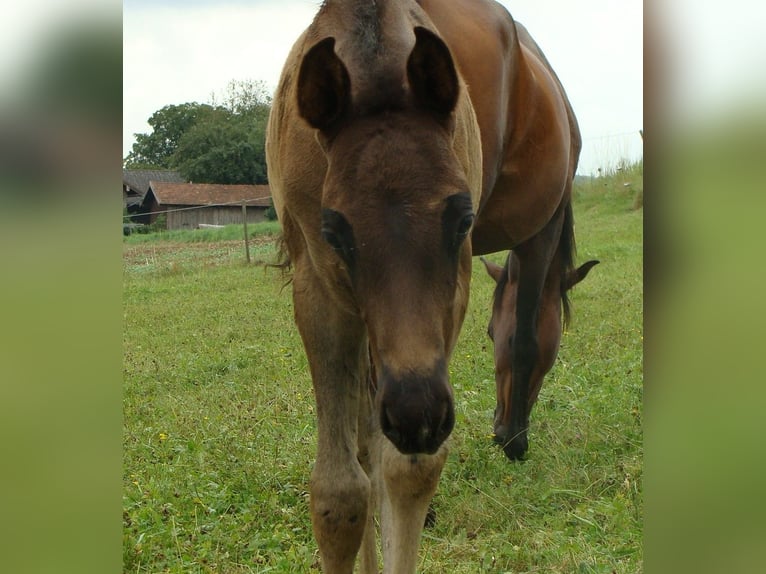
pixel 517 209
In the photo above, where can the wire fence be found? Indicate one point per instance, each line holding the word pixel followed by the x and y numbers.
pixel 206 206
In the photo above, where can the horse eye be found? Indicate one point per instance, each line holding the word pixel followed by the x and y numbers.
pixel 331 237
pixel 465 226
pixel 338 234
pixel 457 220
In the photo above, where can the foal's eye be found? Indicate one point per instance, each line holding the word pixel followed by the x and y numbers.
pixel 338 234
pixel 457 221
pixel 464 226
pixel 332 238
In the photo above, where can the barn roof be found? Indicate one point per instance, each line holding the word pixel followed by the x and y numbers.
pixel 137 180
pixel 192 194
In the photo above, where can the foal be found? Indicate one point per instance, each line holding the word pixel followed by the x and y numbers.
pixel 406 136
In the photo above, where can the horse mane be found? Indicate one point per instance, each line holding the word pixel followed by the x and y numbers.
pixel 283 262
pixel 504 280
pixel 498 294
pixel 566 251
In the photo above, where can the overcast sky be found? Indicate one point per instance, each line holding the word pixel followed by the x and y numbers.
pixel 183 51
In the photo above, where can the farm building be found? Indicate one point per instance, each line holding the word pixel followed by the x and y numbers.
pixel 135 184
pixel 189 205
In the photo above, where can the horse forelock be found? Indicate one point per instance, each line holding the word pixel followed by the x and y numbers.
pixel 373 39
pixel 367 27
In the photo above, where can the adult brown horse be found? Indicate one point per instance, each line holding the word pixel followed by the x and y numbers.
pixel 404 137
pixel 502 326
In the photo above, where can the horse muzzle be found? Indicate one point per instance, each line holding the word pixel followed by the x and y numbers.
pixel 417 411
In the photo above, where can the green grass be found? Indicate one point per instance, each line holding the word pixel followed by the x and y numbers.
pixel 219 427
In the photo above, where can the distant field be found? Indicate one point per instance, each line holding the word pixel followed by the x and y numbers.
pixel 219 427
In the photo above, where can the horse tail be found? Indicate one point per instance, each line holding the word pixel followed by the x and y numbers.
pixel 566 256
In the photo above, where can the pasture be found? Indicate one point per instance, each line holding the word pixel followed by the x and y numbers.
pixel 219 428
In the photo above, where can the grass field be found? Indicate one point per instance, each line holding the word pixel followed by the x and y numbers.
pixel 219 428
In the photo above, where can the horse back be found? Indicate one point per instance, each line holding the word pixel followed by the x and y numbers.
pixel 529 134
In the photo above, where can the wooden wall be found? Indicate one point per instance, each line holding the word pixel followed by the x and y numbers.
pixel 213 215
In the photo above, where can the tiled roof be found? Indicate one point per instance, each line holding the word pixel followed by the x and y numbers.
pixel 210 194
pixel 138 179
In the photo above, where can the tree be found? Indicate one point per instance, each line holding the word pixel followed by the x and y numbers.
pixel 225 148
pixel 210 143
pixel 245 97
pixel 228 146
pixel 169 124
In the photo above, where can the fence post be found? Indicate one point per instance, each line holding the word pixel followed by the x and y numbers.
pixel 244 225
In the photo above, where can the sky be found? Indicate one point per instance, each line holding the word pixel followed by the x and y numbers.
pixel 177 52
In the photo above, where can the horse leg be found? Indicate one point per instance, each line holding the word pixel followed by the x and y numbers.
pixel 535 256
pixel 409 484
pixel 369 458
pixel 336 347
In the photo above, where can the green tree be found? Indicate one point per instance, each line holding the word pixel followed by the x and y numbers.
pixel 225 148
pixel 169 124
pixel 221 142
pixel 228 146
pixel 245 97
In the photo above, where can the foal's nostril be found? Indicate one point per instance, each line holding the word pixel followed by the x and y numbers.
pixel 415 410
pixel 446 422
pixel 420 430
pixel 389 427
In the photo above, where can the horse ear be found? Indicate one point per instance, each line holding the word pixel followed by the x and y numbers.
pixel 432 74
pixel 577 275
pixel 324 87
pixel 494 270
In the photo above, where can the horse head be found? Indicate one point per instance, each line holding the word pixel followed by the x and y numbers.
pixel 502 328
pixel 396 215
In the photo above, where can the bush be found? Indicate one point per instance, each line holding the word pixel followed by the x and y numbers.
pixel 270 213
pixel 160 224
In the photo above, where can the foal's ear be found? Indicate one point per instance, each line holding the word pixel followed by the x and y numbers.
pixel 324 87
pixel 494 270
pixel 432 75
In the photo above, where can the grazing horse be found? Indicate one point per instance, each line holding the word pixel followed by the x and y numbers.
pixel 502 327
pixel 404 137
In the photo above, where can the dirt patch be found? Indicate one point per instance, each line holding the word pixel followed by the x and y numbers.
pixel 168 254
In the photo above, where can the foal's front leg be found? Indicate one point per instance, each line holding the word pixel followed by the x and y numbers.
pixel 369 458
pixel 336 347
pixel 409 484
